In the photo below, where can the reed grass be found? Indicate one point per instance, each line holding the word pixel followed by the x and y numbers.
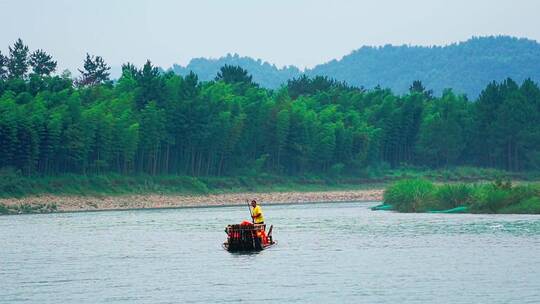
pixel 420 195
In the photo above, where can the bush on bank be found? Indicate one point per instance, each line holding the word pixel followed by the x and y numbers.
pixel 419 195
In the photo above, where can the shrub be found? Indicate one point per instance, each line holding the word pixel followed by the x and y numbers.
pixel 527 206
pixel 501 196
pixel 490 198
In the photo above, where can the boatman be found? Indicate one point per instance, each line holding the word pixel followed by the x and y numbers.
pixel 256 213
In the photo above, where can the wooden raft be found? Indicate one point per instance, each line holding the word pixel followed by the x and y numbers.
pixel 252 237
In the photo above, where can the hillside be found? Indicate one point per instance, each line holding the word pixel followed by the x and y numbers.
pixel 264 73
pixel 467 67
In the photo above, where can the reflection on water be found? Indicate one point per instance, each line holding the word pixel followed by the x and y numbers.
pixel 325 253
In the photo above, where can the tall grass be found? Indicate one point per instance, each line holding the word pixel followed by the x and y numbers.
pixel 528 206
pixel 15 185
pixel 450 196
pixel 411 195
pixel 417 195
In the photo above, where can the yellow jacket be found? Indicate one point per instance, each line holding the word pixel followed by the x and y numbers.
pixel 257 215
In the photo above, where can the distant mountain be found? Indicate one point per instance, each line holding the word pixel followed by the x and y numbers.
pixel 264 73
pixel 467 67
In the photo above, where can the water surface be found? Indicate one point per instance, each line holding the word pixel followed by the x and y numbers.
pixel 327 253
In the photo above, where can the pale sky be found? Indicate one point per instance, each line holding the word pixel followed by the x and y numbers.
pixel 285 32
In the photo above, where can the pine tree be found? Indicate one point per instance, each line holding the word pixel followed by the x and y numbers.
pixel 233 74
pixel 150 86
pixel 42 63
pixel 95 71
pixel 18 60
pixel 418 87
pixel 3 66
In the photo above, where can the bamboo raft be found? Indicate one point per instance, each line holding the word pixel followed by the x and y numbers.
pixel 248 237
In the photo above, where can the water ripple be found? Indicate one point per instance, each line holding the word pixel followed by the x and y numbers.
pixel 329 253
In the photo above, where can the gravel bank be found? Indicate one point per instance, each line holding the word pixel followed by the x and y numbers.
pixel 94 203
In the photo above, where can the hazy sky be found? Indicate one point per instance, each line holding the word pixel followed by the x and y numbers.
pixel 284 32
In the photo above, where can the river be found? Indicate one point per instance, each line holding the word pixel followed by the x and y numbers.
pixel 326 253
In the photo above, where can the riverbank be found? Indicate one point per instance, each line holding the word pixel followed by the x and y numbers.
pixel 13 184
pixel 71 203
pixel 71 192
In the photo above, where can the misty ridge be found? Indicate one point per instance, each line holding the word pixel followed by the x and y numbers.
pixel 466 67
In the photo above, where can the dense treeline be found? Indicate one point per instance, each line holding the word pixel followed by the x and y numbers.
pixel 161 123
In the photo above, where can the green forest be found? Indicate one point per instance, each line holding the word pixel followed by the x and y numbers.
pixel 159 123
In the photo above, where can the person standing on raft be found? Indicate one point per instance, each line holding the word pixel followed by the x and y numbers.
pixel 256 213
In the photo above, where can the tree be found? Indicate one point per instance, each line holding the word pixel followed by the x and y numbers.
pixel 190 86
pixel 28 144
pixel 3 66
pixel 442 136
pixel 18 60
pixel 303 85
pixel 418 87
pixel 129 69
pixel 326 144
pixel 50 141
pixel 42 63
pixel 152 132
pixel 233 74
pixel 150 86
pixel 125 140
pixel 161 123
pixel 282 132
pixel 95 71
pixel 514 126
pixel 8 130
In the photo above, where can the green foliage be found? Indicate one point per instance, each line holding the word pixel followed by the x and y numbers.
pixel 42 63
pixel 443 134
pixel 157 123
pixel 450 196
pixel 18 60
pixel 336 170
pixel 411 195
pixel 233 74
pixel 490 199
pixel 95 71
pixel 528 206
pixel 3 67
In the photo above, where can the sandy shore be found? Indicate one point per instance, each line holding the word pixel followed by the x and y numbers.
pixel 93 203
